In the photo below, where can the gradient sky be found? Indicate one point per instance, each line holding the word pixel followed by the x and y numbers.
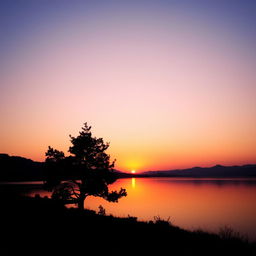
pixel 170 84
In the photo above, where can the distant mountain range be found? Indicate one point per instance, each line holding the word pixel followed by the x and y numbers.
pixel 15 168
pixel 217 171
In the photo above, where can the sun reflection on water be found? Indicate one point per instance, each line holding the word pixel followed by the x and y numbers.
pixel 133 182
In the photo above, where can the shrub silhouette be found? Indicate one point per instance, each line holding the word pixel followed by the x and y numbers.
pixel 228 233
pixel 102 210
pixel 162 222
pixel 87 171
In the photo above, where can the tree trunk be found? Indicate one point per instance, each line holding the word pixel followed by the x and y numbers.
pixel 81 202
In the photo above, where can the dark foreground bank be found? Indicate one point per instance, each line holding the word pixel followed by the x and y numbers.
pixel 40 226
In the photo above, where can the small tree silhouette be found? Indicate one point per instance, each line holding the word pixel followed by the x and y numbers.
pixel 87 171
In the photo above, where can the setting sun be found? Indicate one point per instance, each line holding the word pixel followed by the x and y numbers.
pixel 133 171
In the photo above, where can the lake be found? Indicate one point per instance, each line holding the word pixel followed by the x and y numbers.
pixel 207 204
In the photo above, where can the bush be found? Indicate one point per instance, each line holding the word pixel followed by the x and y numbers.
pixel 227 233
pixel 162 222
pixel 102 210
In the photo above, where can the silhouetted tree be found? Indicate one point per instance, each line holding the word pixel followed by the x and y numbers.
pixel 87 171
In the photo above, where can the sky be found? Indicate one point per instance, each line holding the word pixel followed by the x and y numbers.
pixel 170 84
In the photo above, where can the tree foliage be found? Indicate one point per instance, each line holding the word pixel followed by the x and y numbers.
pixel 86 171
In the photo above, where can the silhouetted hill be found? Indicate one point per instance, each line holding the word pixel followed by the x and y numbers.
pixel 14 168
pixel 217 171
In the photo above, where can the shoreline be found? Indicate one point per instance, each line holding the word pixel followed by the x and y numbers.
pixel 39 218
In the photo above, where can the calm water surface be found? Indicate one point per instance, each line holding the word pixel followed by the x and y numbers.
pixel 190 203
